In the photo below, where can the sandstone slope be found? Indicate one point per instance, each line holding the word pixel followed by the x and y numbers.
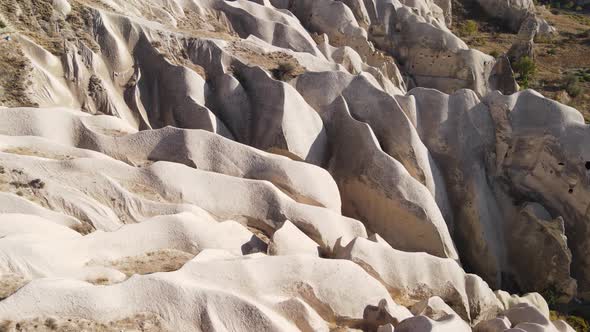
pixel 270 165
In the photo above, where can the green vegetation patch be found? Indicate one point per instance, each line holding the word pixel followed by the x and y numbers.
pixel 525 68
pixel 468 28
pixel 578 323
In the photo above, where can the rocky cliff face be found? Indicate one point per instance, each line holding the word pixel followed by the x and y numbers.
pixel 278 165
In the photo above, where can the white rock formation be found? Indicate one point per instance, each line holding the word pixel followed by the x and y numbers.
pixel 263 166
pixel 423 276
pixel 289 240
pixel 522 317
pixel 423 323
pixel 434 308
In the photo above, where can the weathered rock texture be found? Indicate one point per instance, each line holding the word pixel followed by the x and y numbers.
pixel 263 166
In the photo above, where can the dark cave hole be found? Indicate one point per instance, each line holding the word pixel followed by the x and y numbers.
pixel 587 165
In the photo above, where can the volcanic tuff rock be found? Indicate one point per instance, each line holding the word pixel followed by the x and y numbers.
pixel 275 165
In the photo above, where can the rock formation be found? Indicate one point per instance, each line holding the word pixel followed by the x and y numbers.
pixel 524 45
pixel 517 15
pixel 274 165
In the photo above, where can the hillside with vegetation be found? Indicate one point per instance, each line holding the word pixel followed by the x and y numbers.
pixel 561 65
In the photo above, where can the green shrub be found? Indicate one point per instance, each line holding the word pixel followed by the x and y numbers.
pixel 2 24
pixel 469 28
pixel 579 8
pixel 525 68
pixel 578 323
pixel 583 75
pixel 495 53
pixel 550 296
pixel 544 40
pixel 552 51
pixel 478 41
pixel 569 5
pixel 572 85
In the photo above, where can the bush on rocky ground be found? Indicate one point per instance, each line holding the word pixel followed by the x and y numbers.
pixel 578 323
pixel 469 28
pixel 525 68
pixel 572 85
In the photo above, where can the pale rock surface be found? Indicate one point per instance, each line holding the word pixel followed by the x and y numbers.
pixel 194 148
pixel 532 299
pixel 289 240
pixel 278 298
pixel 545 30
pixel 445 278
pixel 62 6
pixel 524 45
pixel 513 13
pixel 500 323
pixel 14 204
pixel 386 328
pixel 35 248
pixel 544 237
pixel 168 188
pixel 529 318
pixel 489 135
pixel 391 191
pixel 450 323
pixel 562 326
pixel 434 308
pixel 458 125
pixel 519 15
pixel 522 317
pixel 554 160
pixel 232 129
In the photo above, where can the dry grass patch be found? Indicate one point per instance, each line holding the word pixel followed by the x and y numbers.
pixel 555 58
pixel 10 283
pixel 212 24
pixel 15 70
pixel 578 323
pixel 26 151
pixel 144 322
pixel 562 57
pixel 111 132
pixel 282 66
pixel 84 228
pixel 14 181
pixel 260 234
pixel 165 260
pixel 37 20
